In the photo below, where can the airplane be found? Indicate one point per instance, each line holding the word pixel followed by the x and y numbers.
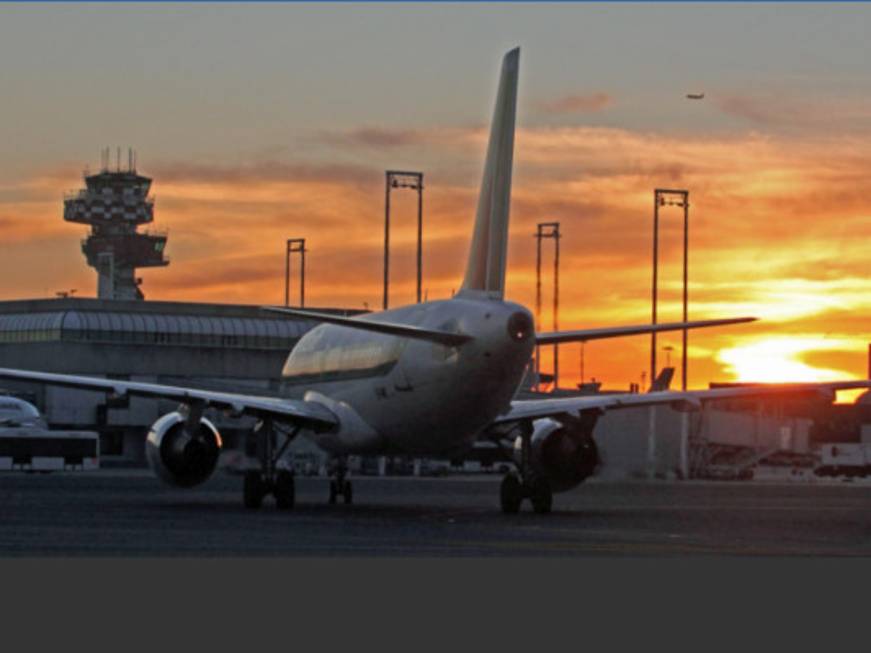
pixel 17 413
pixel 426 379
pixel 695 96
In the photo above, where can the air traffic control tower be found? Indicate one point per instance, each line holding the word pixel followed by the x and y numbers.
pixel 115 203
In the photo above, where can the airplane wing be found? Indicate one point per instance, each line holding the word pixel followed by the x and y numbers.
pixel 306 413
pixel 684 401
pixel 388 328
pixel 582 335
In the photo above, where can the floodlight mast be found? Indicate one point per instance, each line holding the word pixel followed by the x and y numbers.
pixel 547 230
pixel 680 198
pixel 294 246
pixel 414 181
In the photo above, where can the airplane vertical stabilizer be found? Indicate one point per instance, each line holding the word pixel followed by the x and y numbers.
pixel 485 272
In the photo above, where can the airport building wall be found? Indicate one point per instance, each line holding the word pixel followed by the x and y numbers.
pixel 216 346
pixel 628 449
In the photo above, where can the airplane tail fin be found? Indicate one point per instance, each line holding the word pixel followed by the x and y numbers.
pixel 662 382
pixel 485 271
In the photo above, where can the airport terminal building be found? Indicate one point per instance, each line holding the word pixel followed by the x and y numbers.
pixel 217 346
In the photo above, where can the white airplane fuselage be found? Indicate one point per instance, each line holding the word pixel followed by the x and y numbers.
pixel 402 395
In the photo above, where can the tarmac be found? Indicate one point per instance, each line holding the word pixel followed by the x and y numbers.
pixel 114 513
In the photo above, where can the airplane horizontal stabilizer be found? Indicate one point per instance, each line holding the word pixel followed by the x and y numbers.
pixel 582 335
pixel 386 328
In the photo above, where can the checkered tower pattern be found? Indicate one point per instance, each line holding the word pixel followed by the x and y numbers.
pixel 114 204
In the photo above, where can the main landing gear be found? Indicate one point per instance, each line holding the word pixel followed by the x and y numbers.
pixel 280 483
pixel 525 483
pixel 340 486
pixel 268 479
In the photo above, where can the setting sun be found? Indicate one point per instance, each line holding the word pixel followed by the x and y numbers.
pixel 780 360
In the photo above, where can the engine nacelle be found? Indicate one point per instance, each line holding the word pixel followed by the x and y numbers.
pixel 563 453
pixel 180 458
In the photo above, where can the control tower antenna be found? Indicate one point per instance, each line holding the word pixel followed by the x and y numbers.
pixel 114 204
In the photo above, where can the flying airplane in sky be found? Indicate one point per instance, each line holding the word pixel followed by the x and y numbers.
pixel 424 380
pixel 695 96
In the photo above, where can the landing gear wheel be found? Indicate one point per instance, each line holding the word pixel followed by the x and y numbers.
pixel 342 488
pixel 263 442
pixel 339 483
pixel 284 491
pixel 254 489
pixel 511 494
pixel 541 496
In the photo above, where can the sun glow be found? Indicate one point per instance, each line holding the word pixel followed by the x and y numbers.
pixel 778 360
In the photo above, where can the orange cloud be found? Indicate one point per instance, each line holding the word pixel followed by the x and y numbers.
pixel 375 137
pixel 582 103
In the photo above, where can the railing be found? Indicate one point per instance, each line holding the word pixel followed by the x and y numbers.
pixel 85 194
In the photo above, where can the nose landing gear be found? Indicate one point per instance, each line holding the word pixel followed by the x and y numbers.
pixel 514 490
pixel 340 485
pixel 525 484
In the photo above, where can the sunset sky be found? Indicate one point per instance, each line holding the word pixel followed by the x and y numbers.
pixel 266 122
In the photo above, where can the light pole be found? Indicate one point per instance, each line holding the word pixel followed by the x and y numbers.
pixel 547 230
pixel 414 181
pixel 668 349
pixel 294 246
pixel 680 198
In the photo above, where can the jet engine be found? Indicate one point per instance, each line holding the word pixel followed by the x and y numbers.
pixel 180 458
pixel 563 452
